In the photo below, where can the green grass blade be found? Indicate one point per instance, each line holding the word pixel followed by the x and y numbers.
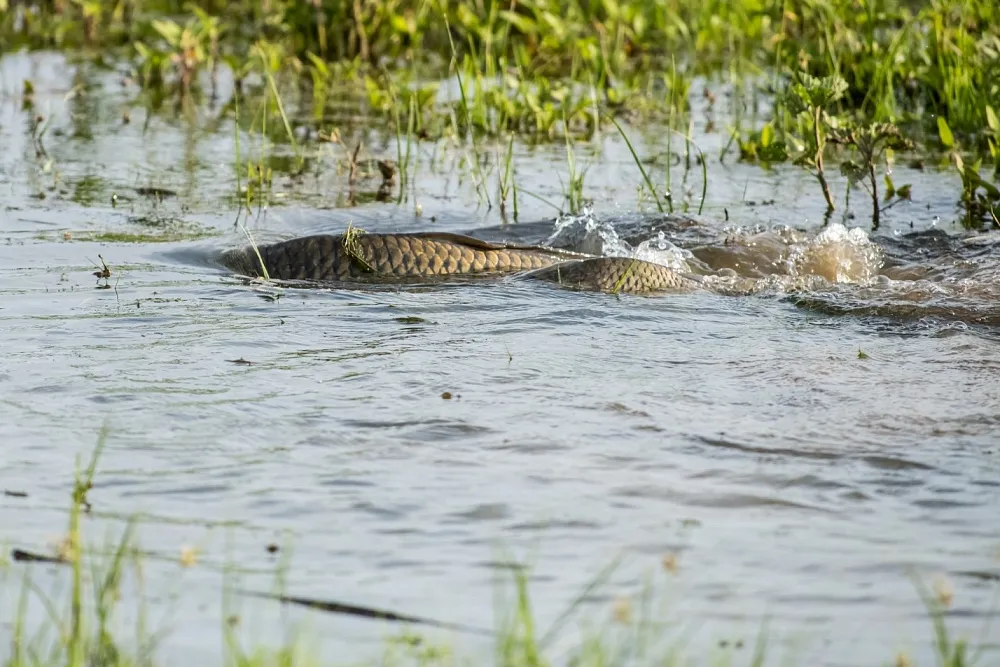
pixel 638 163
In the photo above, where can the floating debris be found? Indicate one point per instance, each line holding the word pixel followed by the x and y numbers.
pixel 22 556
pixel 188 557
pixel 158 193
pixel 365 612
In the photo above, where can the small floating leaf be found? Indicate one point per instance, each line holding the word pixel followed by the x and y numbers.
pixel 862 355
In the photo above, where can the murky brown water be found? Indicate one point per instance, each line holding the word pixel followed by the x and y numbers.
pixel 739 430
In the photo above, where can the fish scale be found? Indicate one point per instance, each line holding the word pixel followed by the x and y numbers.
pixel 384 257
pixel 616 274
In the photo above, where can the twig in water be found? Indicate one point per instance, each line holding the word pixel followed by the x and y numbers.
pixel 365 612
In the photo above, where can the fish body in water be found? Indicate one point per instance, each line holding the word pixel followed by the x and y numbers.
pixel 617 275
pixel 354 257
pixel 363 257
pixel 930 276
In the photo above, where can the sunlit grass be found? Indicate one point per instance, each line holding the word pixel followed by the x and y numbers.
pixel 897 58
pixel 565 70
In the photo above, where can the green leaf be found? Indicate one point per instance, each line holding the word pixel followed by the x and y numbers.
pixel 766 136
pixel 319 64
pixel 400 24
pixel 852 170
pixel 947 138
pixel 169 30
pixel 904 191
pixel 890 187
pixel 467 18
pixel 991 119
pixel 991 190
pixel 776 152
pixel 522 23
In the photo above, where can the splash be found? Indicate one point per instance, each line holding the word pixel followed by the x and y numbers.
pixel 586 233
pixel 838 254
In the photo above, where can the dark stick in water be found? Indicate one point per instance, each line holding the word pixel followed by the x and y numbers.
pixel 365 612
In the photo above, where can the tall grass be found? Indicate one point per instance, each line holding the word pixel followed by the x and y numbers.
pixel 898 58
pixel 555 70
pixel 642 169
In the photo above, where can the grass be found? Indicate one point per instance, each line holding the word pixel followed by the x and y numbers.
pixel 848 83
pixel 83 626
pixel 642 169
pixel 896 56
pixel 567 70
pixel 139 237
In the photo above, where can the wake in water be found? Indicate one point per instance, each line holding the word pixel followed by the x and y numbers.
pixel 932 276
pixel 836 254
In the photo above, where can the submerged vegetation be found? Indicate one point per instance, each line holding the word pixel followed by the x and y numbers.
pixel 564 70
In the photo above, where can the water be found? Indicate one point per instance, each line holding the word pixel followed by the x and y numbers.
pixel 735 432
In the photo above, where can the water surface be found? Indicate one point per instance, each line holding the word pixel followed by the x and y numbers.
pixel 740 434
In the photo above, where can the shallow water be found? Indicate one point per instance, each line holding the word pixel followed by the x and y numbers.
pixel 737 430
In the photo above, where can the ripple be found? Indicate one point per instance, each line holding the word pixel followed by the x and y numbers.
pixel 742 432
pixel 484 512
pixel 752 449
pixel 555 524
pixel 719 500
pixel 894 463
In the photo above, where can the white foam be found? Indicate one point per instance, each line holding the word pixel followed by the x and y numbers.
pixel 585 233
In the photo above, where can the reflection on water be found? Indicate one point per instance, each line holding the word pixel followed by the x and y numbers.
pixel 740 433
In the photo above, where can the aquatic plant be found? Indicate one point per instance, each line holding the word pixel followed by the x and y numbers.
pixel 185 48
pixel 506 185
pixel 813 97
pixel 642 169
pixel 763 145
pixel 979 196
pixel 574 188
pixel 870 141
pixel 894 56
pixel 558 71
